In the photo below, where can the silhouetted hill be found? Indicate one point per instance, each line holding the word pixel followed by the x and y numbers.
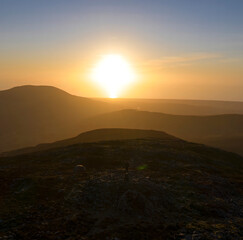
pixel 95 136
pixel 173 190
pixel 180 107
pixel 30 115
pixel 200 129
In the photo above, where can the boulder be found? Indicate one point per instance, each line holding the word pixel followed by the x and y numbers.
pixel 79 169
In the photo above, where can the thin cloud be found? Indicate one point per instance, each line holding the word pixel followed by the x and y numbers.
pixel 179 60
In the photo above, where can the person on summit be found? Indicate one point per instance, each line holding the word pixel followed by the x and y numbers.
pixel 126 165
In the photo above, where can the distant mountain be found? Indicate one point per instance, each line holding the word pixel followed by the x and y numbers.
pixel 180 107
pixel 212 130
pixel 96 136
pixel 30 115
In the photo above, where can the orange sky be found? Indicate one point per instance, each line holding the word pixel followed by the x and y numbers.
pixel 195 76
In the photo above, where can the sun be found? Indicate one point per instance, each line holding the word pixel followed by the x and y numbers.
pixel 113 73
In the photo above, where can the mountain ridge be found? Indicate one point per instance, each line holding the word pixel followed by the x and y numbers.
pixel 191 128
pixel 43 114
pixel 181 106
pixel 34 114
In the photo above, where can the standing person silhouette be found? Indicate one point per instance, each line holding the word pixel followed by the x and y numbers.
pixel 126 165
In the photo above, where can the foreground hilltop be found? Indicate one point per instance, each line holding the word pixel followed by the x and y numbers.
pixel 174 190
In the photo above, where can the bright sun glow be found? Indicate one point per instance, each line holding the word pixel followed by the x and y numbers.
pixel 113 73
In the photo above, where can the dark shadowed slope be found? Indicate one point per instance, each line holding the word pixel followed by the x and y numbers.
pixel 34 114
pixel 180 107
pixel 174 190
pixel 202 129
pixel 95 136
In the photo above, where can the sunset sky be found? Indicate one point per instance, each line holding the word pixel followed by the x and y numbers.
pixel 180 49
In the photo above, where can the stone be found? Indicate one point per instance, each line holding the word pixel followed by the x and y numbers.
pixel 79 169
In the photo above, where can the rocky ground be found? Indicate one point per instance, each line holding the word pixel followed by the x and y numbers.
pixel 173 190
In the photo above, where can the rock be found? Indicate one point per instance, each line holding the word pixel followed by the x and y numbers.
pixel 79 169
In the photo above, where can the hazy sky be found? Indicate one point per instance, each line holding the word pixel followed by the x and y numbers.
pixel 189 49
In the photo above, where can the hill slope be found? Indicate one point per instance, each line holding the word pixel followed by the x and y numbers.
pixel 180 107
pixel 173 190
pixel 214 130
pixel 30 115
